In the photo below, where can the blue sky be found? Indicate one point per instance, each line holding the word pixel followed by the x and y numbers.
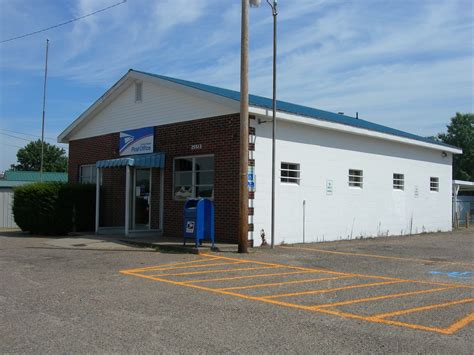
pixel 407 64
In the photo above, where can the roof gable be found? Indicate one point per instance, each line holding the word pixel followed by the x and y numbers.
pixel 162 103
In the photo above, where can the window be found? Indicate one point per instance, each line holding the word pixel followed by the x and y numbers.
pixel 434 184
pixel 193 177
pixel 138 91
pixel 356 178
pixel 398 181
pixel 87 174
pixel 290 173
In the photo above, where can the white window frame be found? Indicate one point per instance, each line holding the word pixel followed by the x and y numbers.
pixel 398 181
pixel 292 180
pixel 356 180
pixel 92 178
pixel 434 184
pixel 194 171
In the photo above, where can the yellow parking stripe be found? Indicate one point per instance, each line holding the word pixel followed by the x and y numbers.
pixel 285 283
pixel 355 275
pixel 211 258
pixel 282 265
pixel 196 266
pixel 460 323
pixel 423 308
pixel 217 271
pixel 378 256
pixel 396 295
pixel 249 276
pixel 323 308
pixel 328 290
pixel 386 321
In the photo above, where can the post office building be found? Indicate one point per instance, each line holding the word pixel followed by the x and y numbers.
pixel 151 142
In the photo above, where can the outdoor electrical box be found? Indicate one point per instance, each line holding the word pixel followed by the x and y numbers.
pixel 199 220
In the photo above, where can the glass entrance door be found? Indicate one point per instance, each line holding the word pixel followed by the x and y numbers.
pixel 141 199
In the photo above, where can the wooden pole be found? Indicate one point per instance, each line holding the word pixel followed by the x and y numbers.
pixel 244 131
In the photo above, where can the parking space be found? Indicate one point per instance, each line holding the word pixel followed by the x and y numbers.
pixel 373 298
pixel 403 295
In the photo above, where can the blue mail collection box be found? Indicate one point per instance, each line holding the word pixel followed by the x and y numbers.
pixel 199 220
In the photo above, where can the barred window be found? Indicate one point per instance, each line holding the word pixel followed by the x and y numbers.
pixel 356 178
pixel 290 173
pixel 434 184
pixel 193 177
pixel 398 181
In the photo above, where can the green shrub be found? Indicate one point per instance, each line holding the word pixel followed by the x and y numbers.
pixel 54 208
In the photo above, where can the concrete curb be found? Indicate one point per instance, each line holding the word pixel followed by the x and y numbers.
pixel 170 248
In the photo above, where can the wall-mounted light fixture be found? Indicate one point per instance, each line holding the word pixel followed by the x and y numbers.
pixel 444 154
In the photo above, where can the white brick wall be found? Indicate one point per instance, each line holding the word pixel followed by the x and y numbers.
pixel 376 209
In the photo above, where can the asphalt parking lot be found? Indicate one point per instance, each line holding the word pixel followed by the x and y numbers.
pixel 399 294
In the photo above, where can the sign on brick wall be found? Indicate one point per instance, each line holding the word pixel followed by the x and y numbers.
pixel 136 141
pixel 251 178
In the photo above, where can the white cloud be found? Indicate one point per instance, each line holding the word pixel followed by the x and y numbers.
pixel 407 64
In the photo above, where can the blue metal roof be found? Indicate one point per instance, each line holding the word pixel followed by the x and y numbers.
pixel 156 160
pixel 288 107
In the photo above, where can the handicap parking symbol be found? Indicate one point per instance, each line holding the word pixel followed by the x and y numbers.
pixel 456 274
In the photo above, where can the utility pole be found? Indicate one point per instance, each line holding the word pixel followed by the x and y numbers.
pixel 273 5
pixel 244 130
pixel 44 108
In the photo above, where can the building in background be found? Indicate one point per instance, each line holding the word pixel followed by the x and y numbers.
pixel 463 201
pixel 12 179
pixel 156 141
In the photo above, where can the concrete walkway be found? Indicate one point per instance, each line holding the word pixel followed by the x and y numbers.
pixel 117 242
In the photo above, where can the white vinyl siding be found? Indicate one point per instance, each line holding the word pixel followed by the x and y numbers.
pixel 166 106
pixel 7 220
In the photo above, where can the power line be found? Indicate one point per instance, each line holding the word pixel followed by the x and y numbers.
pixel 10 135
pixel 16 137
pixel 11 145
pixel 63 23
pixel 26 134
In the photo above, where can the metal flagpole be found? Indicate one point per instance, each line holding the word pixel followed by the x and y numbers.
pixel 44 107
pixel 273 5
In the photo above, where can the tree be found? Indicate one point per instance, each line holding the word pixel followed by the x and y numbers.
pixel 29 157
pixel 461 134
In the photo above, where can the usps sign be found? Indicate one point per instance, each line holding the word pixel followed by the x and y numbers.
pixel 136 141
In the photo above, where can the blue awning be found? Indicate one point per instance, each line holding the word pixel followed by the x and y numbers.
pixel 156 160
